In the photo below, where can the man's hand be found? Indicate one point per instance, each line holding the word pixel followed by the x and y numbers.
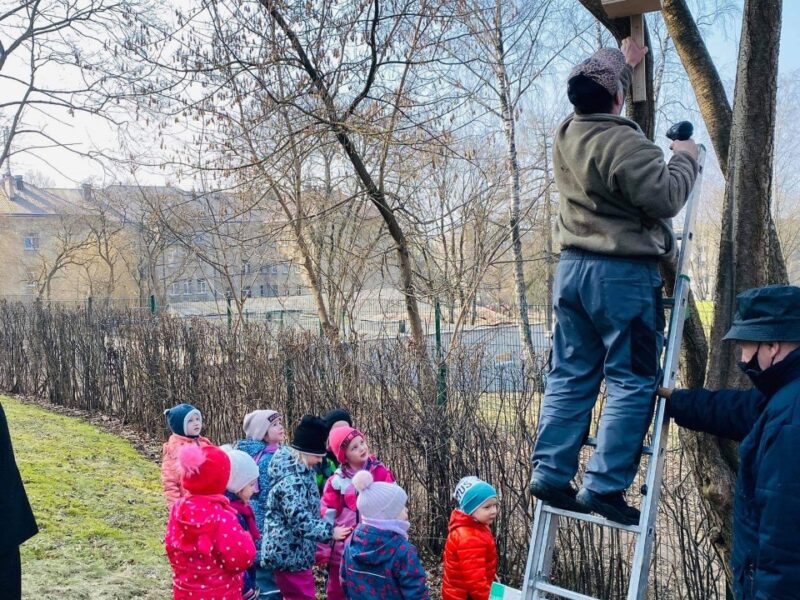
pixel 687 146
pixel 633 53
pixel 664 393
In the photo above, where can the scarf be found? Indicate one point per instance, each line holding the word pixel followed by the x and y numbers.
pixel 394 525
pixel 249 516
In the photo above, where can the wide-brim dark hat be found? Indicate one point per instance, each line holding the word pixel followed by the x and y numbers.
pixel 311 436
pixel 767 314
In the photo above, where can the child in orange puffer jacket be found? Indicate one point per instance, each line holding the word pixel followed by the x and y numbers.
pixel 470 554
pixel 185 422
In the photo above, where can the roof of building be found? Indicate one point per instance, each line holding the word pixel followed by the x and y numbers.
pixel 28 200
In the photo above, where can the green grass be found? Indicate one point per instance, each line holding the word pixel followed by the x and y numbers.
pixel 99 508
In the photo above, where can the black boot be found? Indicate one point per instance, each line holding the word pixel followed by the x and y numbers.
pixel 558 497
pixel 611 506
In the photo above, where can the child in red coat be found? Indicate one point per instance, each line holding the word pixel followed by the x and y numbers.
pixel 207 548
pixel 470 554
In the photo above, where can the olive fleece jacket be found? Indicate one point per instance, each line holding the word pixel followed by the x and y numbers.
pixel 617 194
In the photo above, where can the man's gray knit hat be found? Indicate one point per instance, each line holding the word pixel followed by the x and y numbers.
pixel 604 67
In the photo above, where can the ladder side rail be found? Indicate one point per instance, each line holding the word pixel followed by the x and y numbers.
pixel 540 553
pixel 655 470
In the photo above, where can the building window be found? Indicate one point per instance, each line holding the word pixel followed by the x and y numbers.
pixel 274 269
pixel 247 292
pixel 175 288
pixel 30 283
pixel 285 268
pixel 187 287
pixel 246 268
pixel 202 287
pixel 31 242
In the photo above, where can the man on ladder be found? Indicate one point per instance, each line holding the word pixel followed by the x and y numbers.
pixel 617 195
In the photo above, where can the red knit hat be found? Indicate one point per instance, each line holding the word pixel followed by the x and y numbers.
pixel 339 439
pixel 206 469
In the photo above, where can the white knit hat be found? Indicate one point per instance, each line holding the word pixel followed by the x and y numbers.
pixel 257 423
pixel 378 500
pixel 244 470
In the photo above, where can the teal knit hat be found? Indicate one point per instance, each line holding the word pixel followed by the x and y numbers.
pixel 471 493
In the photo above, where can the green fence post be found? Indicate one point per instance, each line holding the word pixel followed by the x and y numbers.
pixel 441 376
pixel 89 308
pixel 153 306
pixel 229 311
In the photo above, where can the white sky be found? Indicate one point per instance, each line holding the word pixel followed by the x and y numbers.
pixel 69 169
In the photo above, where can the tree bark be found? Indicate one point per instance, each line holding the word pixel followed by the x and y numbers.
pixel 703 75
pixel 749 253
pixel 512 162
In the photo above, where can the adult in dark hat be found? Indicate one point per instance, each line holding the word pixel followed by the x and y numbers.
pixel 16 518
pixel 617 193
pixel 766 420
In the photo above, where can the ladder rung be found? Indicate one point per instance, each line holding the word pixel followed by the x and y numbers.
pixel 590 519
pixel 549 588
pixel 592 442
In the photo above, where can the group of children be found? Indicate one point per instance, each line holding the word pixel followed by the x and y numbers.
pixel 252 519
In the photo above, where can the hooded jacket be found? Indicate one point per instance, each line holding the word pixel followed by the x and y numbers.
pixel 207 548
pixel 170 471
pixel 766 420
pixel 382 564
pixel 338 504
pixel 470 559
pixel 292 523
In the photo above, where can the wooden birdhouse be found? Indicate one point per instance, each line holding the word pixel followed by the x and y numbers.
pixel 634 9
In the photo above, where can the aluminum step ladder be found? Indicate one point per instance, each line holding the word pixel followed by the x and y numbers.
pixel 537 585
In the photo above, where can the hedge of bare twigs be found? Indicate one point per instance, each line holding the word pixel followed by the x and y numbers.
pixel 133 365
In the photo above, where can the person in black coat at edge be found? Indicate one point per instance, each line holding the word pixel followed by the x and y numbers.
pixel 16 517
pixel 766 420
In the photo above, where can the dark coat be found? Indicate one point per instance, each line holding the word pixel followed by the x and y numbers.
pixel 766 519
pixel 16 517
pixel 378 563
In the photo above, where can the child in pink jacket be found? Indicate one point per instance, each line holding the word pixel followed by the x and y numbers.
pixel 207 547
pixel 185 422
pixel 339 496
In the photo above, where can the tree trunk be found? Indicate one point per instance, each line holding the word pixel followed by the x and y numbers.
pixel 746 258
pixel 548 239
pixel 512 163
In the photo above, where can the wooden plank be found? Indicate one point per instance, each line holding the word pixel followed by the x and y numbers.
pixel 639 73
pixel 625 8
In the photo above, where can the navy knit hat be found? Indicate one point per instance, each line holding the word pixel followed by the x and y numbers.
pixel 311 436
pixel 337 414
pixel 471 493
pixel 177 416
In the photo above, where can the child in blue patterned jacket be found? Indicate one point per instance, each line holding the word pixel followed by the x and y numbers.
pixel 292 524
pixel 264 434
